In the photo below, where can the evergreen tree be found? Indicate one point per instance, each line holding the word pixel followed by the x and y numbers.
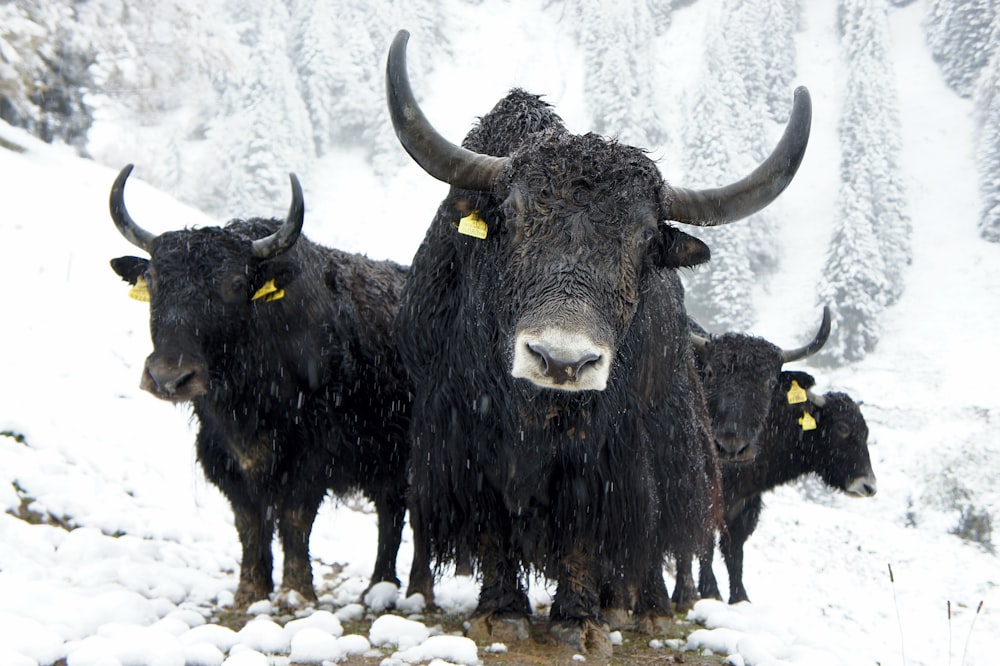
pixel 617 81
pixel 262 131
pixel 160 74
pixel 717 150
pixel 870 247
pixel 855 281
pixel 959 34
pixel 870 140
pixel 45 60
pixel 987 109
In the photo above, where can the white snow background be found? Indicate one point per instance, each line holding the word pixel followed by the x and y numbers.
pixel 152 548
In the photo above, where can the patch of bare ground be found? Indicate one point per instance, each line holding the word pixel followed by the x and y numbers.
pixel 541 649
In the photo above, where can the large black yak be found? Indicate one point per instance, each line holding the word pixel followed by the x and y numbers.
pixel 285 350
pixel 558 423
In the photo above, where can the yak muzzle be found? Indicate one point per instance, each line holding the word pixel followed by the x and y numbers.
pixel 176 379
pixel 862 486
pixel 561 360
pixel 733 448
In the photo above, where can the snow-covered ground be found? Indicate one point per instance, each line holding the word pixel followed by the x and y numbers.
pixel 152 550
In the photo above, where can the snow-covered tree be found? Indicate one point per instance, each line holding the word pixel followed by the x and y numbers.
pixel 747 82
pixel 262 131
pixel 870 247
pixel 45 59
pixel 960 34
pixel 854 283
pixel 718 150
pixel 987 108
pixel 617 81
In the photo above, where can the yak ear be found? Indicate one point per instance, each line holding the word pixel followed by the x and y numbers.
pixel 681 250
pixel 130 268
pixel 281 272
pixel 804 379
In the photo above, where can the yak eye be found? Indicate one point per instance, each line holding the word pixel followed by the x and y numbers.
pixel 235 288
pixel 842 429
pixel 648 235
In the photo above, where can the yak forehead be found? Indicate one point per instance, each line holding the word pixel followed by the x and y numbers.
pixel 561 174
pixel 842 406
pixel 200 255
pixel 732 353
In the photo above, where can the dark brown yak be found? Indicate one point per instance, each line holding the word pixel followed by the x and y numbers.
pixel 285 350
pixel 558 424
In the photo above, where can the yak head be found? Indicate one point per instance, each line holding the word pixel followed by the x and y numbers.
pixel 740 374
pixel 202 286
pixel 578 224
pixel 833 439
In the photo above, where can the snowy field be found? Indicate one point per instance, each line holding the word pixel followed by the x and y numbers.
pixel 138 550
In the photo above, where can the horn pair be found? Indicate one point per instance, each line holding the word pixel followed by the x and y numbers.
pixel 469 170
pixel 787 355
pixel 263 248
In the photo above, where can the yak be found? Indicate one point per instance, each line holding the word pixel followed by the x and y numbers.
pixel 803 433
pixel 558 426
pixel 739 373
pixel 285 350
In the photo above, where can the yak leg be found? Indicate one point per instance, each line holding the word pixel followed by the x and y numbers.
pixel 652 606
pixel 421 580
pixel 617 598
pixel 575 617
pixel 738 530
pixel 390 507
pixel 685 592
pixel 503 610
pixel 708 587
pixel 295 523
pixel 255 526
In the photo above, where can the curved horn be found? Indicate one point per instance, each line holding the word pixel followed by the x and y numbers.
pixel 132 232
pixel 817 343
pixel 817 399
pixel 721 205
pixel 288 232
pixel 697 341
pixel 439 157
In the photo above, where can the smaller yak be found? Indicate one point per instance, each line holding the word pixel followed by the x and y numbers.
pixel 739 373
pixel 285 350
pixel 804 432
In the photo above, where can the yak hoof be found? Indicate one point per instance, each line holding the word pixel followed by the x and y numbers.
pixel 250 594
pixel 619 619
pixel 586 637
pixel 654 624
pixel 290 600
pixel 492 628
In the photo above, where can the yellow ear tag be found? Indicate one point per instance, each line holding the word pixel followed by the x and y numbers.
pixel 796 394
pixel 807 421
pixel 269 292
pixel 139 291
pixel 473 225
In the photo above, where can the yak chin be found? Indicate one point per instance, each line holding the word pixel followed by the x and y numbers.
pixel 562 360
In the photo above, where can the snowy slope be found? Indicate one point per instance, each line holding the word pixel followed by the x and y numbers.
pixel 156 547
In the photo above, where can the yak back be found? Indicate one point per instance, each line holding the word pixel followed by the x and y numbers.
pixel 318 369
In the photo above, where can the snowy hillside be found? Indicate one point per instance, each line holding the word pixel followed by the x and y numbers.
pixel 154 549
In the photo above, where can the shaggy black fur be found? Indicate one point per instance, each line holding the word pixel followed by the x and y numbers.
pixel 293 396
pixel 836 450
pixel 585 487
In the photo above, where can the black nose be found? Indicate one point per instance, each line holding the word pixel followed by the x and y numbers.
pixel 174 379
pixel 733 447
pixel 562 370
